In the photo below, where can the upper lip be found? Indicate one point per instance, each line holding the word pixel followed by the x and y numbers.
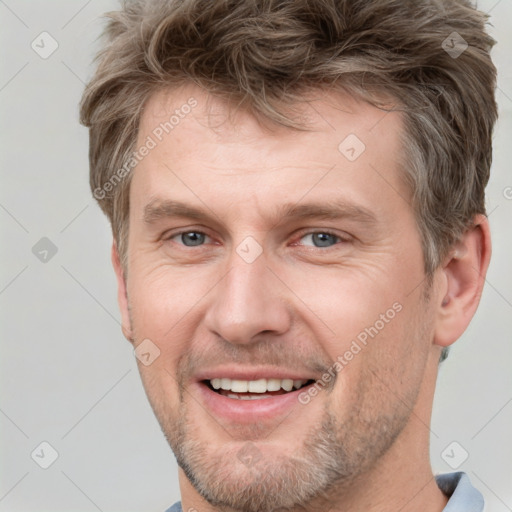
pixel 253 373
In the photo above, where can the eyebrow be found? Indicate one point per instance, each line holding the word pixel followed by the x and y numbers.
pixel 159 209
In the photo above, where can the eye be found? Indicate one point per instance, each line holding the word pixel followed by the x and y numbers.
pixel 321 239
pixel 316 239
pixel 189 238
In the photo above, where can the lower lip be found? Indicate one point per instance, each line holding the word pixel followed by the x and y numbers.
pixel 249 411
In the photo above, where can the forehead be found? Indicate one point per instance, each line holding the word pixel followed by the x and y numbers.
pixel 201 145
pixel 317 113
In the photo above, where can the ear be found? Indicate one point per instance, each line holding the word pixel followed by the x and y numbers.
pixel 463 277
pixel 122 297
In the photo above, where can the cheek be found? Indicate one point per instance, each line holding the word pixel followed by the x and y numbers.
pixel 383 375
pixel 161 307
pixel 348 303
pixel 162 299
pixel 162 391
pixel 367 321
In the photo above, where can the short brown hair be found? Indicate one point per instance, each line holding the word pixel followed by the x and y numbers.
pixel 430 56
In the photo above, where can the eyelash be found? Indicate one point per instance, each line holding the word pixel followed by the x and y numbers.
pixel 301 235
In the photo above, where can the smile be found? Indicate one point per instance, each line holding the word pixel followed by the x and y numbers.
pixel 245 396
pixel 255 389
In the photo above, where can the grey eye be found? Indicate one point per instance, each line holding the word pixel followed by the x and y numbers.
pixel 192 238
pixel 321 239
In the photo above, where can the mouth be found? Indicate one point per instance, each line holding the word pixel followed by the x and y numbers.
pixel 245 398
pixel 255 389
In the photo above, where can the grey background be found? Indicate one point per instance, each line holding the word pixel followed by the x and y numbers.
pixel 69 378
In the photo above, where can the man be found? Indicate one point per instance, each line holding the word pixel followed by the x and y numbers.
pixel 296 191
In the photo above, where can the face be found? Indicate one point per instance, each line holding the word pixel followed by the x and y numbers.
pixel 275 281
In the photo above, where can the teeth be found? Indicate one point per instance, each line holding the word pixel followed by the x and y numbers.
pixel 225 384
pixel 287 384
pixel 246 397
pixel 255 386
pixel 239 386
pixel 273 384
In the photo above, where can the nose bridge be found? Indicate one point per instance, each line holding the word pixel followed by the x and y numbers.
pixel 247 301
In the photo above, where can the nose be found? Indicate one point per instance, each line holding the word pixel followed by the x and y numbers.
pixel 247 302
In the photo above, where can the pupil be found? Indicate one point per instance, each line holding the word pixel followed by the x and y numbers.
pixel 323 239
pixel 192 237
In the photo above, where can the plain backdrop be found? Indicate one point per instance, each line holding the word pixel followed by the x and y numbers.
pixel 68 377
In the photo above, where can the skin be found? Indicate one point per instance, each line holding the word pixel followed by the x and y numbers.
pixel 296 306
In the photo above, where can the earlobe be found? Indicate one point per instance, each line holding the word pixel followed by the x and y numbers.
pixel 122 297
pixel 463 273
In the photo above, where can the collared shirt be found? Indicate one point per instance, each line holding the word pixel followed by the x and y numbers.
pixel 463 497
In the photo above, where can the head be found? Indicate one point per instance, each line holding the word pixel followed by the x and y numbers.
pixel 329 159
